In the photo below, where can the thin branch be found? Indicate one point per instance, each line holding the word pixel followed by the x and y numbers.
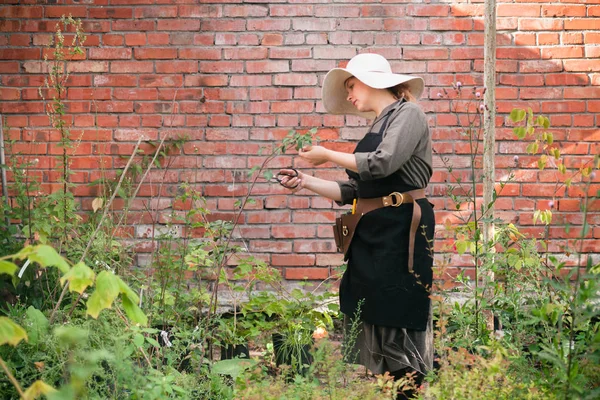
pixel 90 241
pixel 12 378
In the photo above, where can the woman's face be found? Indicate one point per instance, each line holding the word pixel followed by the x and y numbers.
pixel 358 94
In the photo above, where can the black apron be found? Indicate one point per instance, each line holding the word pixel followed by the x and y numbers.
pixel 378 262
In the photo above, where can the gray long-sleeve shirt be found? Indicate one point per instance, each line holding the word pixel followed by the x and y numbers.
pixel 405 149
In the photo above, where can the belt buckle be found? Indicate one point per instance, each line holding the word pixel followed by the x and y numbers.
pixel 397 199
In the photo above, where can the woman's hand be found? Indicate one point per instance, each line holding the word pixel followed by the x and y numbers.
pixel 291 179
pixel 316 155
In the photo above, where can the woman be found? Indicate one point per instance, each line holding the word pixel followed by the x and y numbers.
pixel 390 258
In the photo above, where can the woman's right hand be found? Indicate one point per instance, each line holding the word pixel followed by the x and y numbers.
pixel 291 179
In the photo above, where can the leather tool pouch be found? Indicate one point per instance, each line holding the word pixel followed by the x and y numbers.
pixel 343 231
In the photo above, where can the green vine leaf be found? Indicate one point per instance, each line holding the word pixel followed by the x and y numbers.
pixel 134 312
pixel 6 267
pixel 44 255
pixel 10 332
pixel 517 115
pixel 80 277
pixel 107 290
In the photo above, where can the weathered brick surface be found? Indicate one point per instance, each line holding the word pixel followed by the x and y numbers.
pixel 235 76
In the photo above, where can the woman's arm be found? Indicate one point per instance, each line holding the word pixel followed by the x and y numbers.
pixel 317 155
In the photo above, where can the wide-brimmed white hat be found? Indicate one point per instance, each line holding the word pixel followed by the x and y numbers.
pixel 371 69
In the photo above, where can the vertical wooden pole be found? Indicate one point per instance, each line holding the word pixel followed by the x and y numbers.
pixel 489 129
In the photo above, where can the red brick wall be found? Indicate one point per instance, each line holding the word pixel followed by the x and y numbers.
pixel 236 75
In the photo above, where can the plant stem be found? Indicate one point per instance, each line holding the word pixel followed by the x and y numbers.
pixel 12 378
pixel 89 244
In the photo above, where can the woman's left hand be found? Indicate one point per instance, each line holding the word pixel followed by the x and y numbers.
pixel 316 155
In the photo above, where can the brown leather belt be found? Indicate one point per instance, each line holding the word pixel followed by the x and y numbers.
pixel 396 199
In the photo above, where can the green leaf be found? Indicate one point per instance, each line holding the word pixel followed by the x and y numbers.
pixel 6 267
pixel 517 115
pixel 268 175
pixel 233 367
pixel 107 290
pixel 46 256
pixel 37 389
pixel 138 340
pixel 461 246
pixel 520 132
pixel 127 291
pixel 11 332
pixel 37 324
pixel 134 312
pixel 80 277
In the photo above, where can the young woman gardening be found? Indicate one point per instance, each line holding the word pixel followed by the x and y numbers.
pixel 390 256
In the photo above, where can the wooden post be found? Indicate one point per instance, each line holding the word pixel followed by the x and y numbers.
pixel 489 126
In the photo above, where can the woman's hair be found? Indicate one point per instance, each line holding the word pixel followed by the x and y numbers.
pixel 401 92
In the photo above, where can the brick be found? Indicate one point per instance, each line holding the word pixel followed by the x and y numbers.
pixel 221 66
pixel 248 53
pixel 427 10
pixel 592 52
pixel 271 39
pixel 155 53
pixel 135 25
pixel 245 11
pixel 250 80
pixel 582 92
pixel 336 53
pixel 522 80
pixel 109 54
pixel 312 65
pixel 548 38
pixel 178 25
pixel 113 40
pixel 518 10
pixel 285 52
pixel 254 67
pixel 582 65
pixel 466 53
pixel 177 66
pixel 59 11
pixel 131 67
pixel 582 24
pixel 540 24
pixel 448 66
pixel 592 37
pixel 294 79
pixel 292 259
pixel 405 24
pixel 540 66
pixel 21 12
pixel 466 10
pixel 562 52
pixel 204 54
pixel 306 273
pixel 365 24
pixel 223 25
pixel 110 13
pixel 296 10
pixel 450 24
pixel 135 94
pixel 563 10
pixel 156 12
pixel 268 24
pixel 19 40
pixel 20 54
pixel 135 39
pixel 161 80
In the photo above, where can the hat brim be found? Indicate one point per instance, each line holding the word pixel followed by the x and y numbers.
pixel 334 93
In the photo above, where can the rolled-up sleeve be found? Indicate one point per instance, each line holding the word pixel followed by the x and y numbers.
pixel 407 127
pixel 349 191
